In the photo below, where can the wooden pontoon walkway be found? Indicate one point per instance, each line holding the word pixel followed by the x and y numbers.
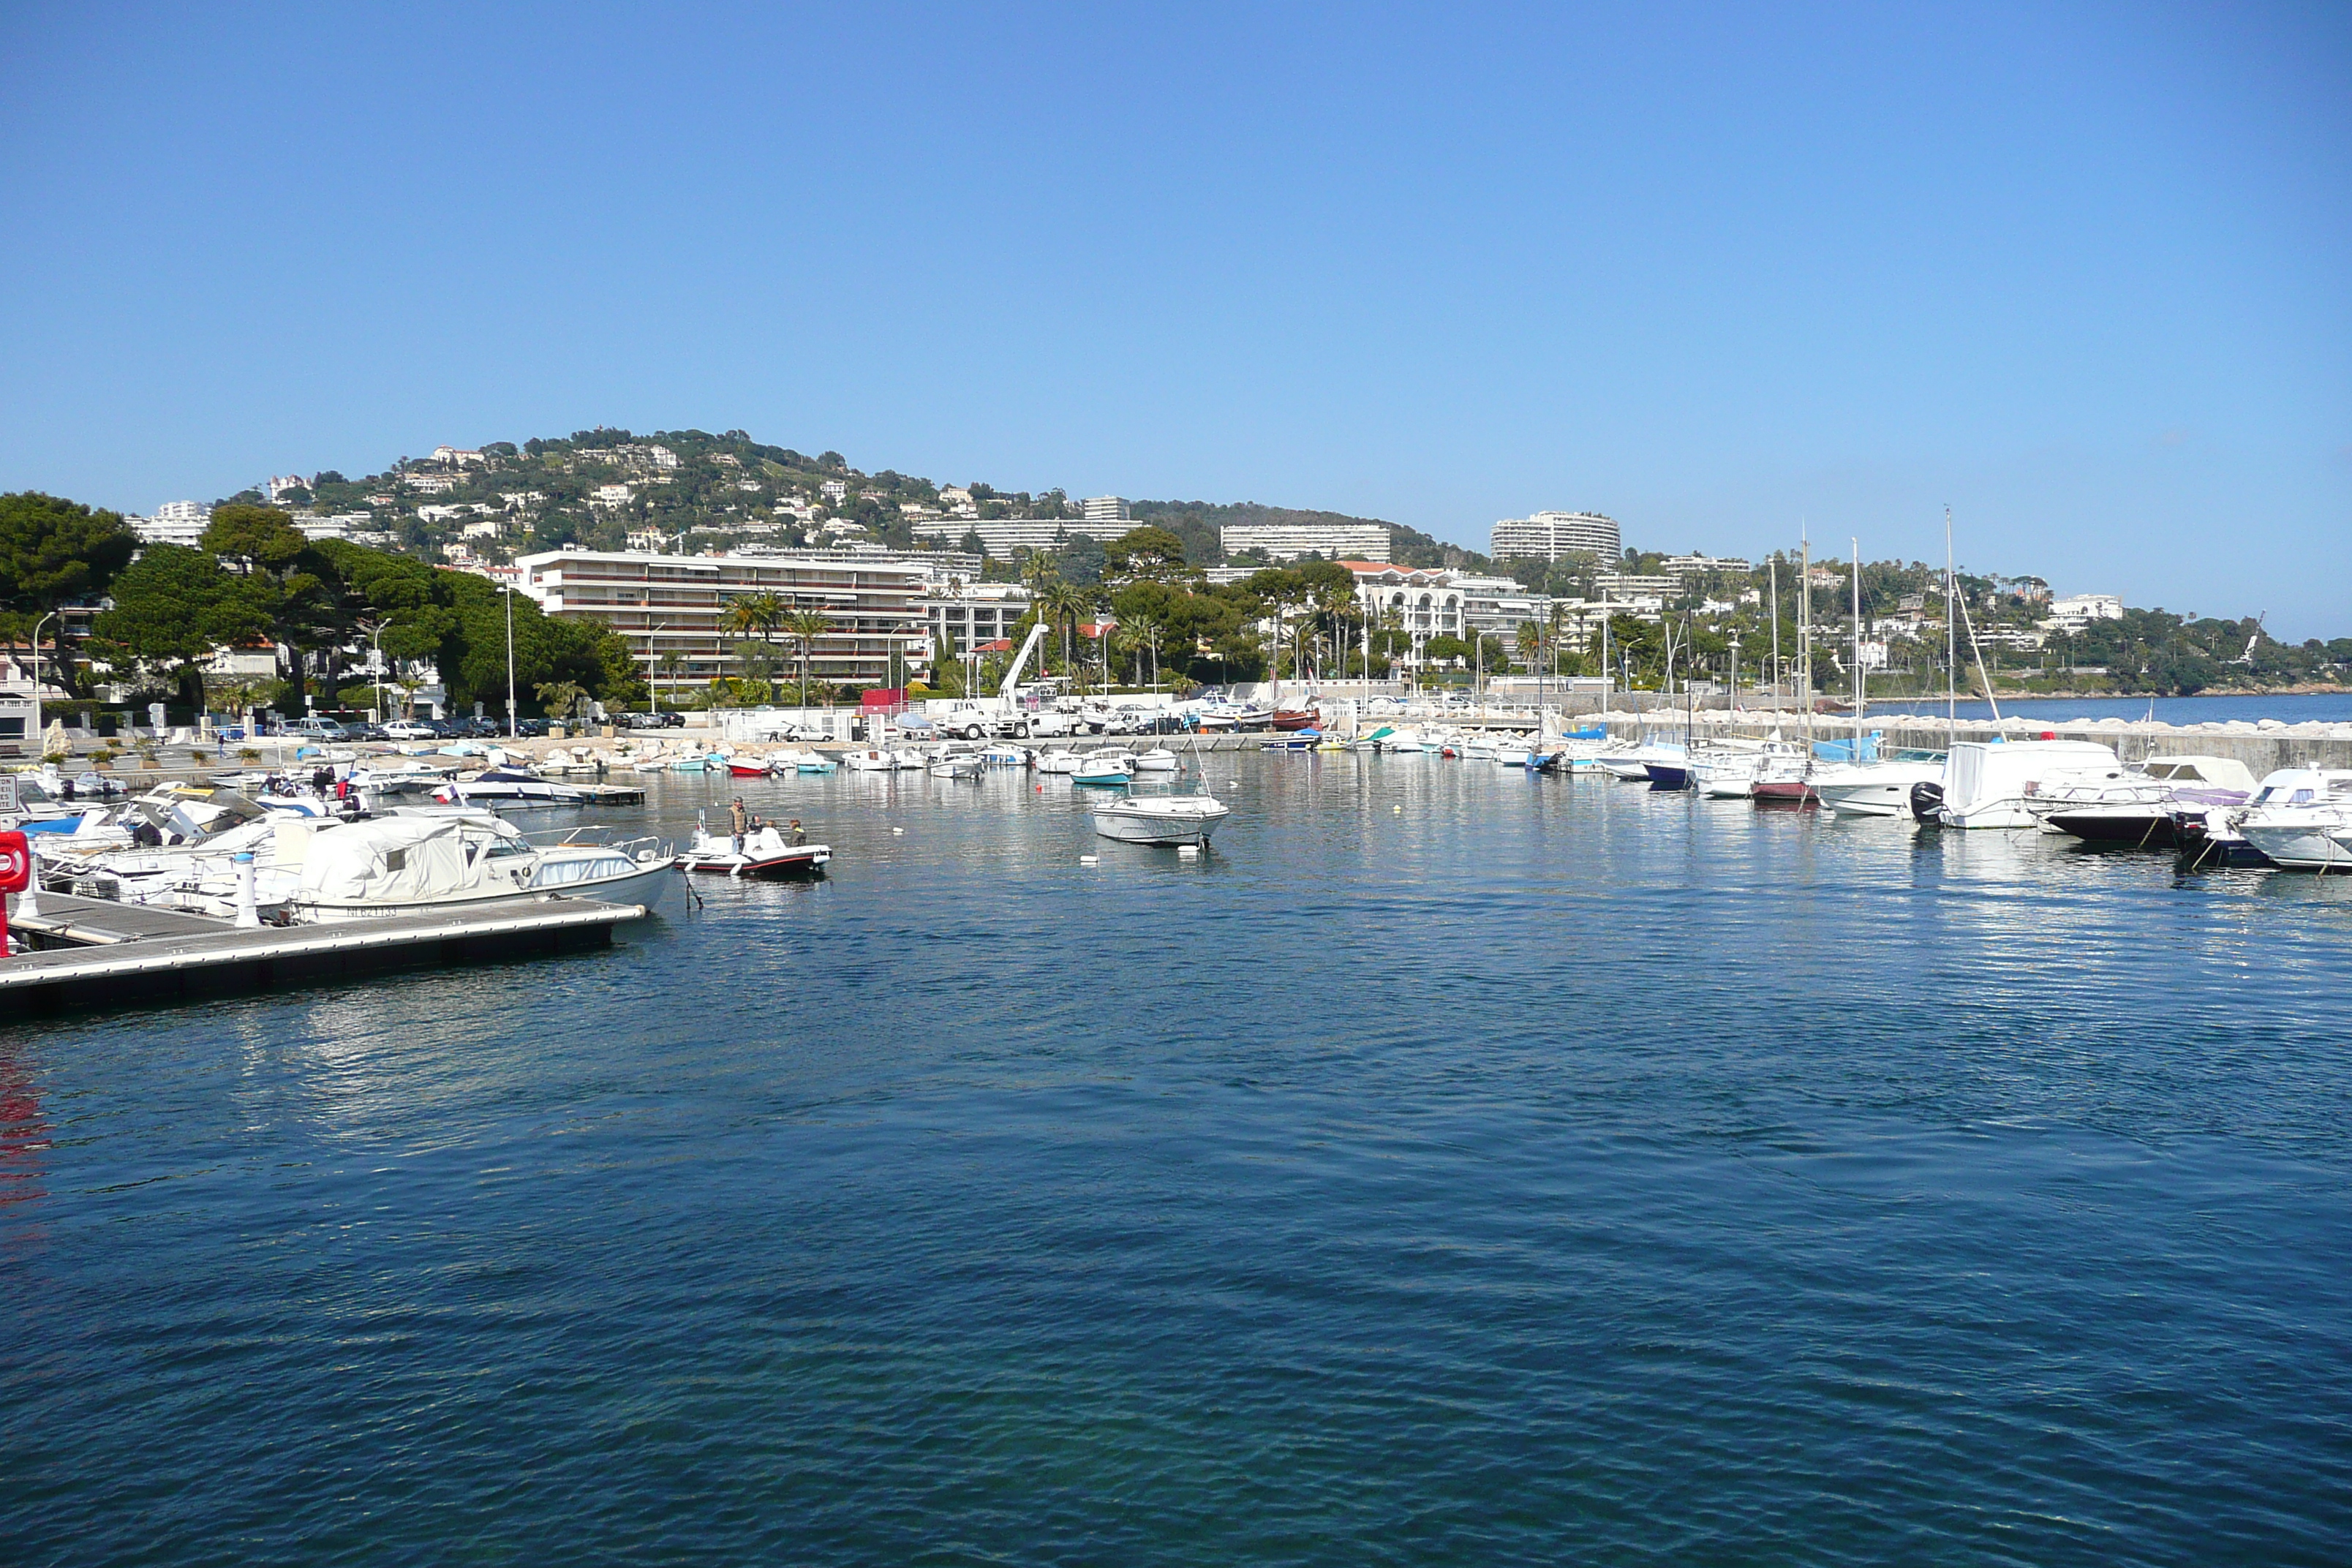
pixel 98 954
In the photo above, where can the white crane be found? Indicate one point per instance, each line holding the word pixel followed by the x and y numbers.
pixel 1012 682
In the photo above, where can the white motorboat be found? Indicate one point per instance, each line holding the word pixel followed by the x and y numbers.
pixel 1873 789
pixel 414 864
pixel 509 783
pixel 325 870
pixel 870 760
pixel 1513 752
pixel 1161 818
pixel 2143 805
pixel 1108 766
pixel 1159 760
pixel 1987 784
pixel 1059 760
pixel 2301 818
pixel 908 759
pixel 765 852
pixel 1004 754
pixel 1726 775
pixel 957 762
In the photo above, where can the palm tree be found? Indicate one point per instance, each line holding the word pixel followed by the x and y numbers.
pixel 756 616
pixel 804 626
pixel 1530 641
pixel 1062 604
pixel 1338 604
pixel 1144 633
pixel 561 696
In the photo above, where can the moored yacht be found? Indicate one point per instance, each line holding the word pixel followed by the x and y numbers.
pixel 2144 804
pixel 2301 818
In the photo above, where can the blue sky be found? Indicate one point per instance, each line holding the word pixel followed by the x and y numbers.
pixel 2083 273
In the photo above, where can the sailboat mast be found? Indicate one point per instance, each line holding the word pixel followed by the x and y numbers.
pixel 1857 650
pixel 1772 568
pixel 1805 638
pixel 1951 645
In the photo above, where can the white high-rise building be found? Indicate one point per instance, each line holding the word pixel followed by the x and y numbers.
pixel 174 523
pixel 1289 540
pixel 1548 536
pixel 1105 508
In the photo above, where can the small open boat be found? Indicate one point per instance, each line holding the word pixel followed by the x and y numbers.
pixel 1161 818
pixel 765 853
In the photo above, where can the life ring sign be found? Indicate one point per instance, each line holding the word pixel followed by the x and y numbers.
pixel 16 876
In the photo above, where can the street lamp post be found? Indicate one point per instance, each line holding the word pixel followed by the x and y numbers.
pixel 507 589
pixel 43 621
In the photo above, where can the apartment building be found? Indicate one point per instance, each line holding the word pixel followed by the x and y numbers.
pixel 1700 565
pixel 1004 535
pixel 2076 611
pixel 678 604
pixel 1290 541
pixel 174 523
pixel 1423 602
pixel 1105 508
pixel 1548 536
pixel 966 615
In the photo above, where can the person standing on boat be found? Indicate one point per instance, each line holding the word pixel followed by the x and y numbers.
pixel 799 834
pixel 742 819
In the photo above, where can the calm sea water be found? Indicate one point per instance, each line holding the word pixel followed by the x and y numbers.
pixel 2288 708
pixel 1452 1167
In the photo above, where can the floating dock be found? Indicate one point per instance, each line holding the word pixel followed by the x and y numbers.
pixel 96 953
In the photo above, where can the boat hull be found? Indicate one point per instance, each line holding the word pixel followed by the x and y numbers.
pixel 801 860
pixel 2300 847
pixel 1127 827
pixel 2143 827
pixel 644 886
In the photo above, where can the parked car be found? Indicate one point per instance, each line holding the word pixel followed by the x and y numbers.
pixel 655 721
pixel 318 730
pixel 409 730
pixel 530 727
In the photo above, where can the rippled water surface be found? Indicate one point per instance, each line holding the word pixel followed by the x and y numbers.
pixel 1450 1167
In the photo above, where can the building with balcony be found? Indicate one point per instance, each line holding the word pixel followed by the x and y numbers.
pixel 664 605
pixel 1549 535
pixel 174 523
pixel 1104 508
pixel 1422 602
pixel 2076 611
pixel 964 615
pixel 1290 541
pixel 1700 565
pixel 1004 535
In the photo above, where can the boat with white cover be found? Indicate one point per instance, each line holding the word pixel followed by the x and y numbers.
pixel 1159 760
pixel 1986 783
pixel 1161 818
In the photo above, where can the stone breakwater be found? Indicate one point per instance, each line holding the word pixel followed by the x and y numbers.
pixel 2261 744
